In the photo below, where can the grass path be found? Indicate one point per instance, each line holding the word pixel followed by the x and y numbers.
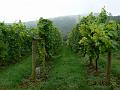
pixel 67 73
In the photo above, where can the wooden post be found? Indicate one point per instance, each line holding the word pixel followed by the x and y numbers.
pixel 43 74
pixel 91 61
pixel 34 42
pixel 96 63
pixel 108 67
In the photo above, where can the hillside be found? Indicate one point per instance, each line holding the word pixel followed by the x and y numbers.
pixel 64 23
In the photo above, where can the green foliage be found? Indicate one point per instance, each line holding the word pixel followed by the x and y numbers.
pixel 73 39
pixel 3 46
pixel 15 42
pixel 102 18
pixel 51 35
pixel 112 34
pixel 118 32
pixel 49 42
pixel 94 34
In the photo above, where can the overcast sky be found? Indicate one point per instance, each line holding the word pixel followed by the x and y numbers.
pixel 27 10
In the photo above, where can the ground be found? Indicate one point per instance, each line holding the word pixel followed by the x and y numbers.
pixel 68 72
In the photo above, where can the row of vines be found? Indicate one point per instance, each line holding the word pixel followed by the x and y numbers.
pixel 46 42
pixel 16 41
pixel 95 35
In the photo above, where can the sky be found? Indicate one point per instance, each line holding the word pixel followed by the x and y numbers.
pixel 29 10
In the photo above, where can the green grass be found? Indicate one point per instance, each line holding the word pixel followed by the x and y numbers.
pixel 11 76
pixel 68 73
pixel 115 69
pixel 115 62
